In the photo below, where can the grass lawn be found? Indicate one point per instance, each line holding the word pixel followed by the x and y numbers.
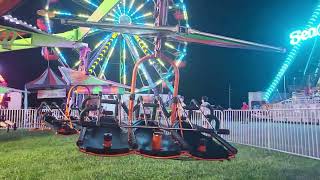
pixel 43 155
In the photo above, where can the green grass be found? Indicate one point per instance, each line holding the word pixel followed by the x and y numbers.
pixel 43 155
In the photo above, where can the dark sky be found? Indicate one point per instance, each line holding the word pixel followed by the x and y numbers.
pixel 209 70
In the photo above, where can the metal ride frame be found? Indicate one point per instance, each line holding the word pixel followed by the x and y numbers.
pixel 134 79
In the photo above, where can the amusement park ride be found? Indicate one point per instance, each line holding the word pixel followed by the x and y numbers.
pixel 157 44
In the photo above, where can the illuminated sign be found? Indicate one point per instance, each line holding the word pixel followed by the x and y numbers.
pixel 297 36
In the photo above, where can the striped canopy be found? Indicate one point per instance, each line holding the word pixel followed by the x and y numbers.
pixel 47 80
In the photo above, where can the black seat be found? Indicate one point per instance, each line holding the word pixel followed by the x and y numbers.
pixel 146 142
pixel 92 139
pixel 60 126
pixel 206 144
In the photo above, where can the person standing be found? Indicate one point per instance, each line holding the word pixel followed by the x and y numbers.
pixel 205 106
pixel 245 106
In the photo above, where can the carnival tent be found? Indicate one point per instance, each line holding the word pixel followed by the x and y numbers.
pixel 48 85
pixel 47 80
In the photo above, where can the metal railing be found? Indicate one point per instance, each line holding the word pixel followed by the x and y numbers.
pixel 291 131
pixel 301 101
pixel 199 119
pixel 29 119
pixel 24 119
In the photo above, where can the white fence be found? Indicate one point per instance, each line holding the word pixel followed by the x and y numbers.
pixel 294 131
pixel 28 119
pixel 291 131
pixel 25 119
pixel 198 118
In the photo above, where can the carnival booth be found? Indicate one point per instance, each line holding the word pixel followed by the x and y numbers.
pixel 10 98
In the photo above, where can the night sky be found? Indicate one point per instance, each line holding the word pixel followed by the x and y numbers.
pixel 209 70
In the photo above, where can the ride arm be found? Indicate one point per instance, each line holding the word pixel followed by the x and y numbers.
pixel 194 36
pixel 125 108
pixel 163 108
pixel 56 40
pixel 177 33
pixel 10 41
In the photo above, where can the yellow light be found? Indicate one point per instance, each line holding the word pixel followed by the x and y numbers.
pixel 109 19
pixel 149 24
pixel 160 62
pixel 141 6
pixel 144 15
pixel 132 2
pixel 169 45
pixel 83 15
pixel 138 9
pixel 77 63
pixel 185 15
pixel 112 15
pixel 147 14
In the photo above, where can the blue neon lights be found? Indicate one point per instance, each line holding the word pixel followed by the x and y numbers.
pixel 291 56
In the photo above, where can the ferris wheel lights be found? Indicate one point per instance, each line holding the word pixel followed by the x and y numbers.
pixel 161 62
pixel 91 3
pixel 77 64
pixel 118 6
pixel 149 24
pixel 131 5
pixel 131 47
pixel 138 9
pixel 83 15
pixel 169 45
pixel 109 19
pixel 63 13
pixel 144 15
pixel 112 15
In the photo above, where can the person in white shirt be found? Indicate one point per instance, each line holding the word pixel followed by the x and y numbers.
pixel 205 106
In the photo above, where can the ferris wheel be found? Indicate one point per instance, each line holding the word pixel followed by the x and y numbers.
pixel 113 54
